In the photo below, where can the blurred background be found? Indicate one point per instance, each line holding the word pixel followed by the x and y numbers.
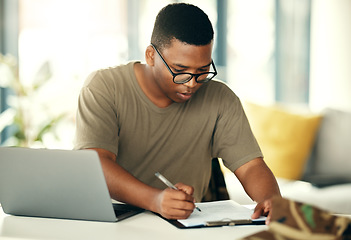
pixel 268 51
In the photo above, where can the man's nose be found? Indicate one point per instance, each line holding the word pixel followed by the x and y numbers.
pixel 192 83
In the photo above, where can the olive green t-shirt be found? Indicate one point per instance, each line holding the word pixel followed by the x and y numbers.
pixel 178 141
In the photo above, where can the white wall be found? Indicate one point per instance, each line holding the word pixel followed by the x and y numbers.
pixel 330 54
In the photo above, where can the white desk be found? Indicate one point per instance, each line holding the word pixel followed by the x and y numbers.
pixel 143 226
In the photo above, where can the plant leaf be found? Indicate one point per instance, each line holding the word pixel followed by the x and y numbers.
pixel 7 118
pixel 43 75
pixel 49 126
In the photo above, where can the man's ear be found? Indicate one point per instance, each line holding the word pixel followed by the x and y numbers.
pixel 150 55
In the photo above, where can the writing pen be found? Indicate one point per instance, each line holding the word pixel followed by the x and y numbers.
pixel 169 184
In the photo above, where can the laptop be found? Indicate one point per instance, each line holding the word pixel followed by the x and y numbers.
pixel 66 184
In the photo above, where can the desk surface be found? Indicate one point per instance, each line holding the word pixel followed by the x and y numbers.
pixel 143 226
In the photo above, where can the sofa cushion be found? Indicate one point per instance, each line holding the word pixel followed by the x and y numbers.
pixel 331 161
pixel 285 137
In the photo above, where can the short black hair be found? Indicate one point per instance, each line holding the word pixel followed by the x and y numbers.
pixel 184 22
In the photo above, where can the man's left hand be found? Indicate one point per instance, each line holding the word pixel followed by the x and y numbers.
pixel 263 209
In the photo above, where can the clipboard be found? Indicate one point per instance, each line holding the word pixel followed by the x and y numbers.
pixel 218 214
pixel 179 225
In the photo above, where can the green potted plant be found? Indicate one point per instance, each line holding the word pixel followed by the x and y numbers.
pixel 26 129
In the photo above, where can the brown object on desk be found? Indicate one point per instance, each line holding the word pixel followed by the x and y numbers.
pixel 294 220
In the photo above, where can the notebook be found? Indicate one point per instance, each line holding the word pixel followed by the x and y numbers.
pixel 67 184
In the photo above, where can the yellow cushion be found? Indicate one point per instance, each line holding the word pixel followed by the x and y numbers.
pixel 285 138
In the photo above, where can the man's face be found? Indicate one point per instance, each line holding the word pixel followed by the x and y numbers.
pixel 181 58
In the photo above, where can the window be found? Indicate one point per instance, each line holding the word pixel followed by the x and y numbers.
pixel 292 51
pixel 251 52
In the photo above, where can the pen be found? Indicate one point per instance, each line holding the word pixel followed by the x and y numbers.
pixel 169 184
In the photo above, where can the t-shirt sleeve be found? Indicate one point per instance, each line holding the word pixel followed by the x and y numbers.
pixel 96 119
pixel 233 140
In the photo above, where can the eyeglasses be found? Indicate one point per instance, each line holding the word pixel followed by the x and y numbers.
pixel 181 78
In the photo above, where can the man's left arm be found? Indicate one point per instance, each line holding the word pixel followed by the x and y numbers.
pixel 260 184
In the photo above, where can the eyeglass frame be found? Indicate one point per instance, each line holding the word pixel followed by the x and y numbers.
pixel 196 75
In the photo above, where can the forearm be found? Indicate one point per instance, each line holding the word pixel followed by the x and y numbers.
pixel 258 180
pixel 125 187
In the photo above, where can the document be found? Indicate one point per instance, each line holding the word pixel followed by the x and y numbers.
pixel 217 212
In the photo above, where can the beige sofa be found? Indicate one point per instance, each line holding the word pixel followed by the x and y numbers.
pixel 316 161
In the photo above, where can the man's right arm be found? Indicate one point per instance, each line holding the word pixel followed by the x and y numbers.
pixel 126 188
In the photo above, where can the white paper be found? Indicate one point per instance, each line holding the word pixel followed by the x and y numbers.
pixel 227 210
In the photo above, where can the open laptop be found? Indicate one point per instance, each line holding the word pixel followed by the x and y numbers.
pixel 66 184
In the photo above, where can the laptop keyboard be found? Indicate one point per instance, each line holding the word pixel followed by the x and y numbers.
pixel 124 210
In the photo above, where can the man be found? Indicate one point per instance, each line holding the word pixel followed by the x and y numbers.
pixel 169 116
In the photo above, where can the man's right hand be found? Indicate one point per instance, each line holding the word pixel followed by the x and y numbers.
pixel 176 204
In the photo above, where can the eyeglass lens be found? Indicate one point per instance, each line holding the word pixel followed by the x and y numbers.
pixel 183 78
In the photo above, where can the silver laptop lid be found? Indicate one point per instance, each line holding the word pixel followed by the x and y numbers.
pixel 65 184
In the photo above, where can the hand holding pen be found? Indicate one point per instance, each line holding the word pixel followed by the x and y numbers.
pixel 169 184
